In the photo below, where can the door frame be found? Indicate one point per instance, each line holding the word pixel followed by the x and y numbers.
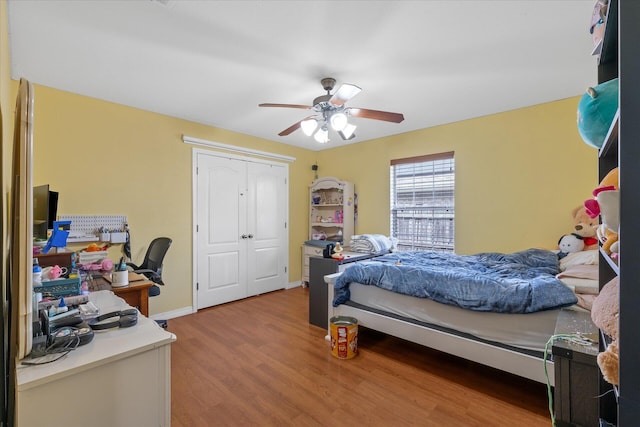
pixel 194 209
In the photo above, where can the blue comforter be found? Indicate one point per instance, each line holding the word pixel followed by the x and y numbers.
pixel 521 282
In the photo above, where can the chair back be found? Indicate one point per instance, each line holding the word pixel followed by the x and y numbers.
pixel 155 255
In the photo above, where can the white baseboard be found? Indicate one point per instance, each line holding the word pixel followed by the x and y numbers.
pixel 295 284
pixel 190 310
pixel 173 314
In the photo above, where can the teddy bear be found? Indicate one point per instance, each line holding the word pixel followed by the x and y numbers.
pixel 606 204
pixel 604 313
pixel 585 226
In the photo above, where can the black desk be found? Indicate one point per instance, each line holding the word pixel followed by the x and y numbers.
pixel 318 288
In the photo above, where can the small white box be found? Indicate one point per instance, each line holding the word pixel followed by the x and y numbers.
pixel 118 237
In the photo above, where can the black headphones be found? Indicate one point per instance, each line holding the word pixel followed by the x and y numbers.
pixel 126 319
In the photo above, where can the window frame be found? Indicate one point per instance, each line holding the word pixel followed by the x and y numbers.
pixel 430 227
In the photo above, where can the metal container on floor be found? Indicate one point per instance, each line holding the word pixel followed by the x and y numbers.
pixel 344 336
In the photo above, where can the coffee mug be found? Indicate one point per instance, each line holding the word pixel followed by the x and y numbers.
pixel 119 279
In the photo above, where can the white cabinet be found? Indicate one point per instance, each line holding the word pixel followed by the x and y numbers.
pixel 332 209
pixel 308 251
pixel 121 378
pixel 332 216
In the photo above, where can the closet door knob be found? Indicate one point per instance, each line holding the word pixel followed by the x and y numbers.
pixel 244 236
pixel 250 236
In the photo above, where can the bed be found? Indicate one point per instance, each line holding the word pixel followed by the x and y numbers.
pixel 511 339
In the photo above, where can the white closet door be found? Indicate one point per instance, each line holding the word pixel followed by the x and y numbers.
pixel 221 212
pixel 266 227
pixel 242 236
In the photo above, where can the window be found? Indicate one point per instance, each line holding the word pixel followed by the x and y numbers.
pixel 422 202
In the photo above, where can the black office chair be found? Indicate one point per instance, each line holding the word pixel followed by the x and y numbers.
pixel 151 266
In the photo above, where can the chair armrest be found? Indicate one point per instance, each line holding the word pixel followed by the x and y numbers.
pixel 151 275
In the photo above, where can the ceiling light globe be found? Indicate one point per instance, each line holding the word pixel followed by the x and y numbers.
pixel 347 132
pixel 339 121
pixel 322 136
pixel 308 126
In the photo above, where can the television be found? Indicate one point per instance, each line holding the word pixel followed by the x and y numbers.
pixel 45 210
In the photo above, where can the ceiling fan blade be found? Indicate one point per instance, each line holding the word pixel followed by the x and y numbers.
pixel 343 136
pixel 304 107
pixel 375 114
pixel 294 127
pixel 344 93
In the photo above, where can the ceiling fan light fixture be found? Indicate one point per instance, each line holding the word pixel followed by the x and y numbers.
pixel 348 131
pixel 308 126
pixel 330 111
pixel 322 135
pixel 339 121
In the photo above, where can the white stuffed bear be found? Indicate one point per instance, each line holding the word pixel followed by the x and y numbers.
pixel 570 243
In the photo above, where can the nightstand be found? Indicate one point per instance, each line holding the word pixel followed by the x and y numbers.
pixel 318 291
pixel 577 377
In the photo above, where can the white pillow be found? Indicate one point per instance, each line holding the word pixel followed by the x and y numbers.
pixel 579 258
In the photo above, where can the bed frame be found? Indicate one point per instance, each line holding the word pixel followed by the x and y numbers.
pixel 485 353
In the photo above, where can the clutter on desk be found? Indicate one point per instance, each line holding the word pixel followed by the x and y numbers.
pixel 71 274
pixel 92 255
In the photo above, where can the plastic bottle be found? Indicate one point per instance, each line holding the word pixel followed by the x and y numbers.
pixel 62 307
pixel 37 273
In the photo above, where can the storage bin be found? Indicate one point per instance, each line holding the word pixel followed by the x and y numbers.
pixel 59 287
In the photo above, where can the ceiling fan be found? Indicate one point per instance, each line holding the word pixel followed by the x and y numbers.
pixel 331 112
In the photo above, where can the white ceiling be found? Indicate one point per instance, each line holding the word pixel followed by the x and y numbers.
pixel 213 62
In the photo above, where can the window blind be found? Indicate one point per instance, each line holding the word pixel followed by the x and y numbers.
pixel 422 202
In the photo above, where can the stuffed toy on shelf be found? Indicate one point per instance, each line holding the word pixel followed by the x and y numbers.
pixel 606 204
pixel 604 313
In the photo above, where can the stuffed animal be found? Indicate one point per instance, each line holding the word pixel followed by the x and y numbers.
pixel 607 205
pixel 337 252
pixel 604 313
pixel 596 110
pixel 570 243
pixel 585 226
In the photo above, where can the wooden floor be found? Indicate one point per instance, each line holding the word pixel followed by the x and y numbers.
pixel 259 362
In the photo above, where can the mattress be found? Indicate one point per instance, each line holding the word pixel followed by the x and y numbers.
pixel 529 331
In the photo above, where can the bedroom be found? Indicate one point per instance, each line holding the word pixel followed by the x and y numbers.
pixel 528 209
pixel 520 174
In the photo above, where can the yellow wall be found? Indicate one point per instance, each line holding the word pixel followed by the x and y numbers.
pixel 518 174
pixel 108 159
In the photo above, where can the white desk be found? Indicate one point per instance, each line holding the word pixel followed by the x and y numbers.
pixel 121 378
